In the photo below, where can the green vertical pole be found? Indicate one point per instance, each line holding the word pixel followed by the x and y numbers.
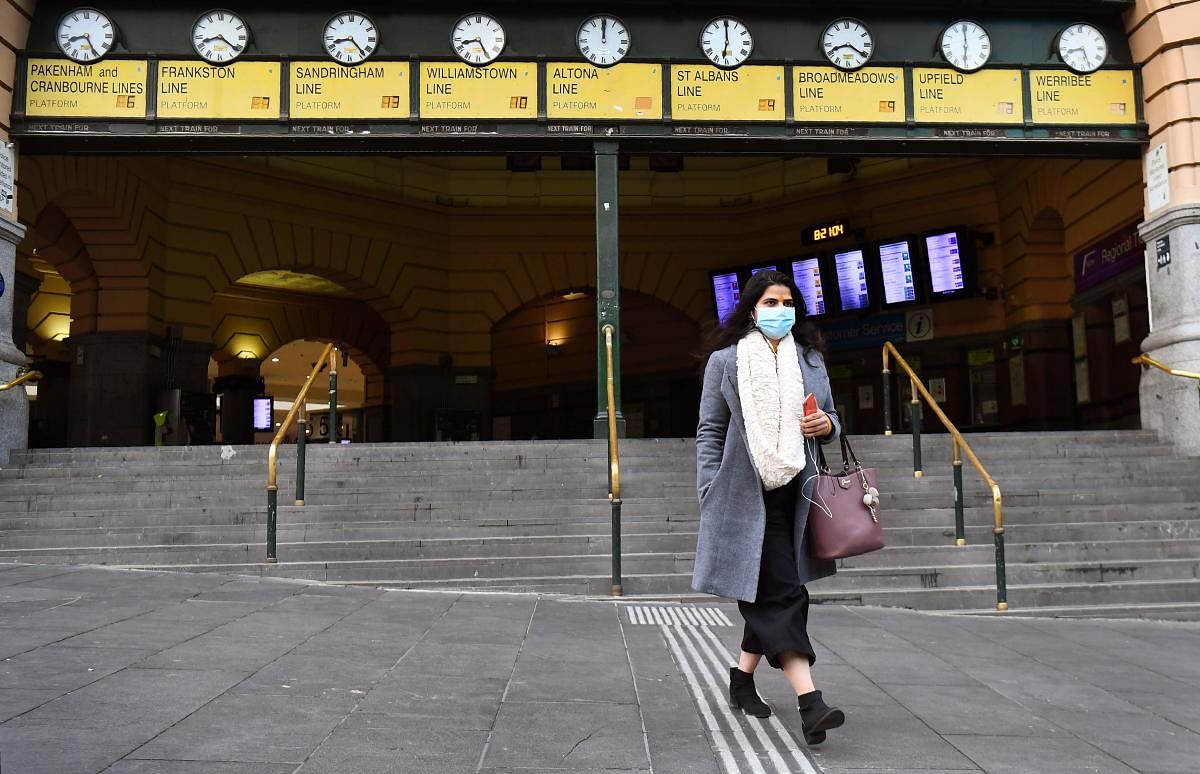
pixel 333 417
pixel 916 432
pixel 960 530
pixel 887 402
pixel 301 426
pixel 608 285
pixel 272 512
pixel 1001 580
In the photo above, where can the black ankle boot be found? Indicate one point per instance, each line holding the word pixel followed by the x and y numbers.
pixel 743 696
pixel 817 717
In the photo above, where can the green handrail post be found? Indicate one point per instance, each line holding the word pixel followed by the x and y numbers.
pixel 301 426
pixel 960 530
pixel 1001 583
pixel 614 463
pixel 916 432
pixel 887 399
pixel 333 415
pixel 272 513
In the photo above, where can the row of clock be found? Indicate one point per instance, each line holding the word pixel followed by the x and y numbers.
pixel 220 36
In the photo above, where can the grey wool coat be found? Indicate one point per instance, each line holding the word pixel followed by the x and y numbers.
pixel 732 515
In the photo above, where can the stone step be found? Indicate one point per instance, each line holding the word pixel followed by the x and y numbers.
pixel 1002 463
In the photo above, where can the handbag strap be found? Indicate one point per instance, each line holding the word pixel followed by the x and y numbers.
pixel 849 458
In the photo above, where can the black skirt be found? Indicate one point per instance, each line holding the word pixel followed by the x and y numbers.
pixel 777 620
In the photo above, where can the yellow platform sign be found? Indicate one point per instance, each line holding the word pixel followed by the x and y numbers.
pixel 460 91
pixel 329 90
pixel 707 93
pixel 874 94
pixel 1102 97
pixel 61 88
pixel 242 90
pixel 943 96
pixel 626 91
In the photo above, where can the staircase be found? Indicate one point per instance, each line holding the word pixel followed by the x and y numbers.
pixel 1099 523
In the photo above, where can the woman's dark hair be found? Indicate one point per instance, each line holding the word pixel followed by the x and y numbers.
pixel 740 321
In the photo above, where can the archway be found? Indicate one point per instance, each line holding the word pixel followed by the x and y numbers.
pixel 544 357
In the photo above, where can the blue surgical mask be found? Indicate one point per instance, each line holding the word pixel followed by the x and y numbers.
pixel 776 321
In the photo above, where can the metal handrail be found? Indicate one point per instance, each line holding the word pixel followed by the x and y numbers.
pixel 21 379
pixel 1147 361
pixel 273 452
pixel 960 447
pixel 614 465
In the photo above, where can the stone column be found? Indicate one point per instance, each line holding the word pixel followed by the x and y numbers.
pixel 1170 404
pixel 1162 35
pixel 14 404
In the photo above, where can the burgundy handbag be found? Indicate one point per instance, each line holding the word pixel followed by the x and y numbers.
pixel 843 516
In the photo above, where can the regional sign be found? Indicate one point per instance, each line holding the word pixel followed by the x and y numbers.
pixel 707 93
pixel 624 92
pixel 332 91
pixel 942 96
pixel 1102 97
pixel 60 88
pixel 242 90
pixel 872 94
pixel 461 91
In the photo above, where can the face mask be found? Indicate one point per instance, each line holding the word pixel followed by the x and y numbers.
pixel 776 321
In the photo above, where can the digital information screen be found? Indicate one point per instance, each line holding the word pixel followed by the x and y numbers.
pixel 945 262
pixel 895 258
pixel 726 292
pixel 807 273
pixel 763 268
pixel 264 419
pixel 852 280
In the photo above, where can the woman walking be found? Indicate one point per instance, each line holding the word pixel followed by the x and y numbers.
pixel 755 469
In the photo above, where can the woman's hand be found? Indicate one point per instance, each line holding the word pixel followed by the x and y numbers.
pixel 816 425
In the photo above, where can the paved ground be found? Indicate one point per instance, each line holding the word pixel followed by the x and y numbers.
pixel 103 670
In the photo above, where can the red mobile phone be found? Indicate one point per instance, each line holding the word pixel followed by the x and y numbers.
pixel 810 404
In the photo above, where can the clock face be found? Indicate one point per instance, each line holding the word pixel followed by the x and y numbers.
pixel 726 41
pixel 847 44
pixel 85 34
pixel 220 36
pixel 477 39
pixel 1082 47
pixel 603 40
pixel 966 45
pixel 350 37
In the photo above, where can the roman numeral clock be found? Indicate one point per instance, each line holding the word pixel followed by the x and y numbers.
pixel 220 36
pixel 350 38
pixel 85 35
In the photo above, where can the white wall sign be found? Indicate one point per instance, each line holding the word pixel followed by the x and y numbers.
pixel 8 177
pixel 937 388
pixel 1120 310
pixel 866 397
pixel 1158 187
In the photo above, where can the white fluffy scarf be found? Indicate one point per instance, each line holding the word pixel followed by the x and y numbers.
pixel 771 387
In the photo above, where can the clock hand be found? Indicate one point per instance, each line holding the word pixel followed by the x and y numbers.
pixel 604 30
pixel 852 48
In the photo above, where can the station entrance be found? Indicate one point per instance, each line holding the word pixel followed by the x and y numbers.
pixel 197 229
pixel 463 288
